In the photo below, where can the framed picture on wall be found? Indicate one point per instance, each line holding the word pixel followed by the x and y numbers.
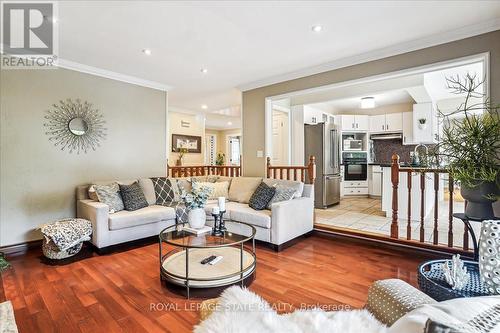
pixel 190 142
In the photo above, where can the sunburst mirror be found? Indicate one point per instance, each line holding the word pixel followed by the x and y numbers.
pixel 75 126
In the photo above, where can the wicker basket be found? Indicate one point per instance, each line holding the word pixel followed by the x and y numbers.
pixel 431 281
pixel 52 252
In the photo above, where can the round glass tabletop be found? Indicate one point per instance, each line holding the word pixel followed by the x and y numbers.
pixel 238 232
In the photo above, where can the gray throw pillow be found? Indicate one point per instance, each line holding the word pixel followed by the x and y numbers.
pixel 283 193
pixel 261 197
pixel 110 195
pixel 164 191
pixel 133 197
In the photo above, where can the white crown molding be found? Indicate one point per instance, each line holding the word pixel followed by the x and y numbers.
pixel 75 66
pixel 416 44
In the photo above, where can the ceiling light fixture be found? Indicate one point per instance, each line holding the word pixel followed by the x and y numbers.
pixel 204 70
pixel 367 102
pixel 229 123
pixel 146 51
pixel 317 28
pixel 204 106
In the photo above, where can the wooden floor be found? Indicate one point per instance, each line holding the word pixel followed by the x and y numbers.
pixel 120 292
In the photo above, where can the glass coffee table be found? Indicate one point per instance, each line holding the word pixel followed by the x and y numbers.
pixel 181 254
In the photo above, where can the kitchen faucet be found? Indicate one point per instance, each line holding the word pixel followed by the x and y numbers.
pixel 417 155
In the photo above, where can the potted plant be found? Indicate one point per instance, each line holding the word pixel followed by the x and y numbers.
pixel 219 160
pixel 182 152
pixel 195 202
pixel 422 123
pixel 470 146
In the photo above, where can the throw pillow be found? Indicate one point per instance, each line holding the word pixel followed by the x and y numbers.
pixel 283 193
pixel 217 189
pixel 92 193
pixel 133 197
pixel 110 195
pixel 298 186
pixel 242 188
pixel 164 190
pixel 261 197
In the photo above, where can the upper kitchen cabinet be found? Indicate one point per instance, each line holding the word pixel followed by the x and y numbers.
pixel 425 123
pixel 408 128
pixel 391 122
pixel 353 123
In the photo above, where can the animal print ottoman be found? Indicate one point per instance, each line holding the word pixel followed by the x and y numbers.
pixel 64 238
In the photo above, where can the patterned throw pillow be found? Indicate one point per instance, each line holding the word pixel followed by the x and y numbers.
pixel 110 195
pixel 164 191
pixel 283 193
pixel 133 197
pixel 217 189
pixel 261 197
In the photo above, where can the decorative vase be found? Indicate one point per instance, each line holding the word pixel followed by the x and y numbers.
pixel 422 126
pixel 197 218
pixel 178 162
pixel 479 206
pixel 489 255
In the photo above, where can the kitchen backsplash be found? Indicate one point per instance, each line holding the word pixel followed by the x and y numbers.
pixel 385 148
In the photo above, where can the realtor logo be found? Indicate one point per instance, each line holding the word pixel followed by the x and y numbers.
pixel 28 34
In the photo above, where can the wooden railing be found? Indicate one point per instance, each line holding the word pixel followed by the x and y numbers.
pixel 298 173
pixel 396 172
pixel 204 170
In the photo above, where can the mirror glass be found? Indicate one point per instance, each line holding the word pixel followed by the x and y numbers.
pixel 78 126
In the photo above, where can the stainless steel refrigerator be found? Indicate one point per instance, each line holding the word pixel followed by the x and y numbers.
pixel 322 141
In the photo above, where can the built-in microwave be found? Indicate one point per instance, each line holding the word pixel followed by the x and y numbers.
pixel 353 144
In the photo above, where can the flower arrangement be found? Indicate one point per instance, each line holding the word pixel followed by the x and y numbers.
pixel 219 160
pixel 197 198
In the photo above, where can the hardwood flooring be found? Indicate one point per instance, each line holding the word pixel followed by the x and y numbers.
pixel 121 292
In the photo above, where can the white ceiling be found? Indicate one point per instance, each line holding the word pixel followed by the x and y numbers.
pixel 241 42
pixel 400 96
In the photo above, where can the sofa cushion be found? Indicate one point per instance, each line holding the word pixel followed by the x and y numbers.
pixel 282 193
pixel 243 213
pixel 462 314
pixel 164 190
pixel 110 195
pixel 133 197
pixel 242 188
pixel 220 189
pixel 150 214
pixel 148 189
pixel 298 186
pixel 261 197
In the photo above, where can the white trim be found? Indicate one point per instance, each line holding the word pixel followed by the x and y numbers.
pixel 75 66
pixel 228 146
pixel 417 44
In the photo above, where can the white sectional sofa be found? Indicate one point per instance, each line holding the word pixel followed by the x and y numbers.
pixel 285 221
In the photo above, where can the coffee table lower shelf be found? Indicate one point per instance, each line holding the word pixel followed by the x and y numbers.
pixel 230 270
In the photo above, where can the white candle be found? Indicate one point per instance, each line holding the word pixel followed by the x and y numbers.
pixel 222 203
pixel 215 210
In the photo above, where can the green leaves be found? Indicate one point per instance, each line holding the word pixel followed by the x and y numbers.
pixel 198 197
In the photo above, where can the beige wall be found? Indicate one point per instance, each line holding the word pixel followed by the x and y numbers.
pixel 38 180
pixel 196 128
pixel 254 100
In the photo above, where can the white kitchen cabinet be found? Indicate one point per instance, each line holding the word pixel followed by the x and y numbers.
pixel 391 122
pixel 408 128
pixel 377 123
pixel 353 123
pixel 428 132
pixel 312 115
pixel 394 122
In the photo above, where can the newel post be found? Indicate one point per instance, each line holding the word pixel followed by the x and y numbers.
pixel 268 168
pixel 395 183
pixel 311 169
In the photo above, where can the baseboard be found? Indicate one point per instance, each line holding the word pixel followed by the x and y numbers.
pixel 21 248
pixel 126 245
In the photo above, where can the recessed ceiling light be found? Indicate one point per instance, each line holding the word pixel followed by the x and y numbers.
pixel 317 28
pixel 146 51
pixel 204 70
pixel 229 123
pixel 367 102
pixel 204 106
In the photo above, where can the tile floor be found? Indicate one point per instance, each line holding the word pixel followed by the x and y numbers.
pixel 365 214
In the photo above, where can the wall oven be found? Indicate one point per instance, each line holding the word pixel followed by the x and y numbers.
pixel 355 165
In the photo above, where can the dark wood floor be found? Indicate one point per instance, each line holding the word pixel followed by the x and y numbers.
pixel 116 292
